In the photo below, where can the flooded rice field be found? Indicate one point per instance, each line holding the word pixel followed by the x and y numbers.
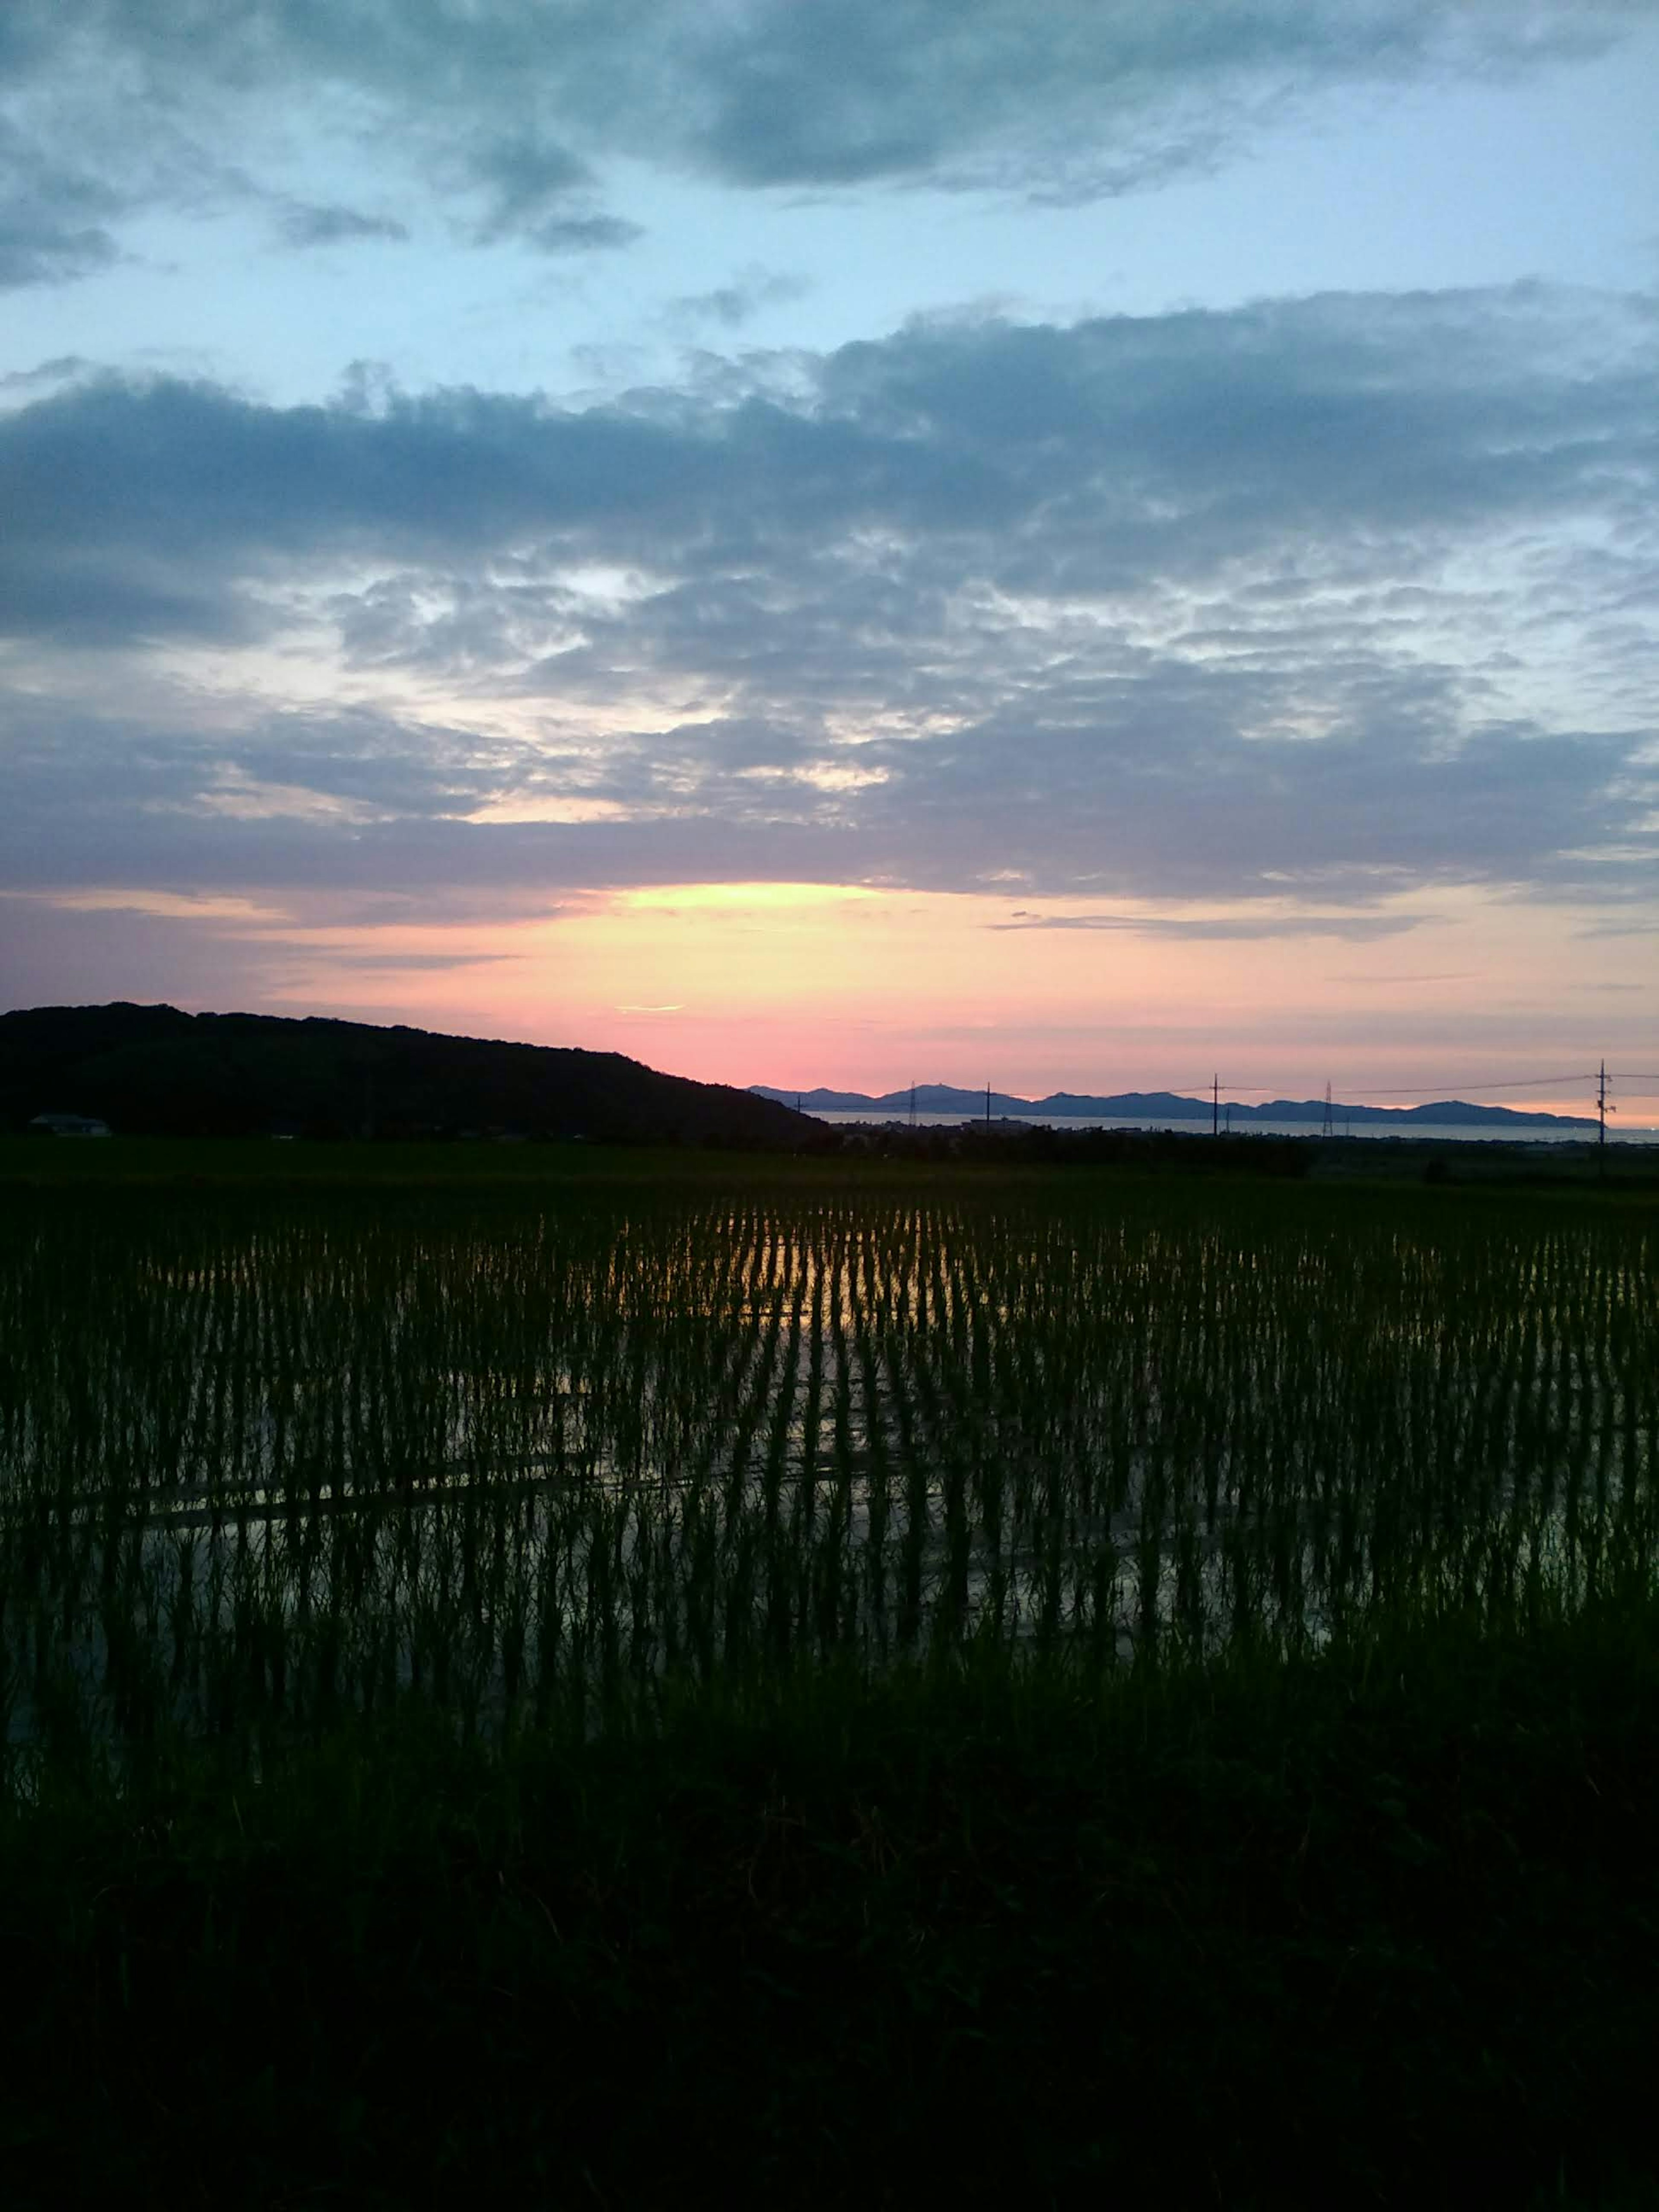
pixel 264 1455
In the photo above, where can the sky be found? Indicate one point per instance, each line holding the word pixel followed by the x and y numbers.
pixel 844 542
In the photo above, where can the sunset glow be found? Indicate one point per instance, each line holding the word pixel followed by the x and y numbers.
pixel 798 985
pixel 1133 567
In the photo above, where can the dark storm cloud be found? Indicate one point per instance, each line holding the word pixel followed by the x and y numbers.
pixel 1198 605
pixel 505 103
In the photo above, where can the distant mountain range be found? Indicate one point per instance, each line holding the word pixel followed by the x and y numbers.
pixel 152 1071
pixel 1158 1106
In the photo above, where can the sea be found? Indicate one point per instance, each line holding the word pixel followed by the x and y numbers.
pixel 1513 1133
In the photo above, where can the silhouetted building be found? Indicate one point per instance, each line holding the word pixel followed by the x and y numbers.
pixel 67 1124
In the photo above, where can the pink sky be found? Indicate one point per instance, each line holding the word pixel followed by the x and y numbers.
pixel 1077 545
pixel 801 985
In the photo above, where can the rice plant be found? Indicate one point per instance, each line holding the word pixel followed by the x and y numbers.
pixel 525 1451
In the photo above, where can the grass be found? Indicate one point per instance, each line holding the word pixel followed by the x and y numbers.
pixel 632 1683
pixel 1376 1925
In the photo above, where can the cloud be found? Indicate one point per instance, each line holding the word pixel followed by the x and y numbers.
pixel 1318 600
pixel 59 370
pixel 1356 928
pixel 739 302
pixel 533 188
pixel 54 213
pixel 303 224
pixel 509 105
pixel 82 151
pixel 525 177
pixel 585 233
pixel 1389 982
pixel 37 250
pixel 1335 445
pixel 354 958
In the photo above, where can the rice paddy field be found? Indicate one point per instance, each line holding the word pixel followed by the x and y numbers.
pixel 266 1454
pixel 506 1664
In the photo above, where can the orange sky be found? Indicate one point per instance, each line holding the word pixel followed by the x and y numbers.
pixel 468 501
pixel 799 985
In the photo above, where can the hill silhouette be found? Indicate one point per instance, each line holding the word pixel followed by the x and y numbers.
pixel 1168 1106
pixel 153 1070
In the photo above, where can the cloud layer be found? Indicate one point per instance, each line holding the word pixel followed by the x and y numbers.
pixel 1335 597
pixel 501 112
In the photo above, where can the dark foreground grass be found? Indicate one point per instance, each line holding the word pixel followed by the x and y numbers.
pixel 1378 1928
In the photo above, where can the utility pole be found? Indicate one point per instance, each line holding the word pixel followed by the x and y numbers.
pixel 1602 1111
pixel 987 1105
pixel 913 1105
pixel 1329 1129
pixel 1215 1105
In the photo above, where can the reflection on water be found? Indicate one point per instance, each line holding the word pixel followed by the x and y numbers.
pixel 291 1459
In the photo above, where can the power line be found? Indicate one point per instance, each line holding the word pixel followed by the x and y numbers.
pixel 1501 1082
pixel 1439 1083
pixel 1440 1088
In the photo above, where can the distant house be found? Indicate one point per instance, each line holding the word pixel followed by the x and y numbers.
pixel 67 1124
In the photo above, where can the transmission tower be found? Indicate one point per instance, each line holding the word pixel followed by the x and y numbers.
pixel 1329 1129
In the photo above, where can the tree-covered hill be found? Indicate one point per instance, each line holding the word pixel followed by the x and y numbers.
pixel 154 1070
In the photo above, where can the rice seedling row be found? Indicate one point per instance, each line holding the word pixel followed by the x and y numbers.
pixel 277 1454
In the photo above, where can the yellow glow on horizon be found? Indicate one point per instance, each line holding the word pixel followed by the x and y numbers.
pixel 1453 991
pixel 170 906
pixel 574 808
